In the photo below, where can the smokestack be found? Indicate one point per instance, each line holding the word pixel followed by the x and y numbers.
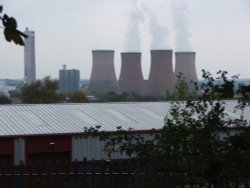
pixel 161 78
pixel 103 78
pixel 131 79
pixel 185 63
pixel 29 57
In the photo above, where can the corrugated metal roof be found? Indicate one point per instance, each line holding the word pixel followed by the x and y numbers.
pixel 42 119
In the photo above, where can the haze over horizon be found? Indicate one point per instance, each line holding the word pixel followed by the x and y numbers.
pixel 66 33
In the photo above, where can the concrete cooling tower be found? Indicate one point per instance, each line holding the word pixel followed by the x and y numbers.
pixel 131 78
pixel 161 78
pixel 103 78
pixel 185 63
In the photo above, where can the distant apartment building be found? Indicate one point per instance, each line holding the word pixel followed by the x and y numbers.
pixel 69 81
pixel 29 57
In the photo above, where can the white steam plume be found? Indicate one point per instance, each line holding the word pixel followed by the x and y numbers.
pixel 159 32
pixel 133 40
pixel 180 22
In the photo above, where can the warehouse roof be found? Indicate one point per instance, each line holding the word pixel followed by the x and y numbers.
pixel 42 119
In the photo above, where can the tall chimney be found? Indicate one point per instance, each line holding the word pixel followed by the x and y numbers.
pixel 185 63
pixel 103 78
pixel 131 78
pixel 29 57
pixel 161 78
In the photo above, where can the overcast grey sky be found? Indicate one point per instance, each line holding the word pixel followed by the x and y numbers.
pixel 67 31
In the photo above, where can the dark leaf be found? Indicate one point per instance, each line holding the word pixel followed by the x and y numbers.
pixel 10 31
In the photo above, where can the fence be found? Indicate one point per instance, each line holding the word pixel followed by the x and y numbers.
pixel 94 174
pixel 91 174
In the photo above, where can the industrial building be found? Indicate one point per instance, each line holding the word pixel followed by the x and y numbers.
pixel 48 131
pixel 29 57
pixel 46 144
pixel 185 64
pixel 131 78
pixel 103 78
pixel 161 77
pixel 69 81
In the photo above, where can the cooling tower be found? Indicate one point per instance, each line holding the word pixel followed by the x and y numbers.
pixel 131 79
pixel 185 63
pixel 161 78
pixel 103 78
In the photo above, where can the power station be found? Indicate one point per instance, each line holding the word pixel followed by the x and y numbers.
pixel 103 78
pixel 131 78
pixel 161 78
pixel 185 64
pixel 161 81
pixel 29 57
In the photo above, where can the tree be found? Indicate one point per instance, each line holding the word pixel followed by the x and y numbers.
pixel 44 91
pixel 4 100
pixel 10 29
pixel 196 146
pixel 130 98
pixel 181 88
pixel 78 97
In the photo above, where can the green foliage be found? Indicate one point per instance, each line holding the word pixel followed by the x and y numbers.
pixel 114 97
pixel 78 97
pixel 15 93
pixel 10 29
pixel 181 88
pixel 130 98
pixel 4 100
pixel 44 91
pixel 196 145
pixel 244 95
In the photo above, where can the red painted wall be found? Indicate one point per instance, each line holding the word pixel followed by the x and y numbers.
pixel 43 144
pixel 6 146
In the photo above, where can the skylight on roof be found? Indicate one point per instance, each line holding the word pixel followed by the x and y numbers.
pixel 85 117
pixel 33 118
pixel 152 114
pixel 121 116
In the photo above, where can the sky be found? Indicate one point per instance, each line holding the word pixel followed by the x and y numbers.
pixel 67 31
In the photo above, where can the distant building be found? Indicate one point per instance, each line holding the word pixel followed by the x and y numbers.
pixel 161 77
pixel 103 78
pixel 131 78
pixel 4 89
pixel 69 80
pixel 29 57
pixel 185 64
pixel 56 132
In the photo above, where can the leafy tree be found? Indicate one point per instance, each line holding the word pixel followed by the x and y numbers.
pixel 244 95
pixel 181 88
pixel 10 29
pixel 78 97
pixel 130 97
pixel 44 91
pixel 196 146
pixel 111 97
pixel 4 100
